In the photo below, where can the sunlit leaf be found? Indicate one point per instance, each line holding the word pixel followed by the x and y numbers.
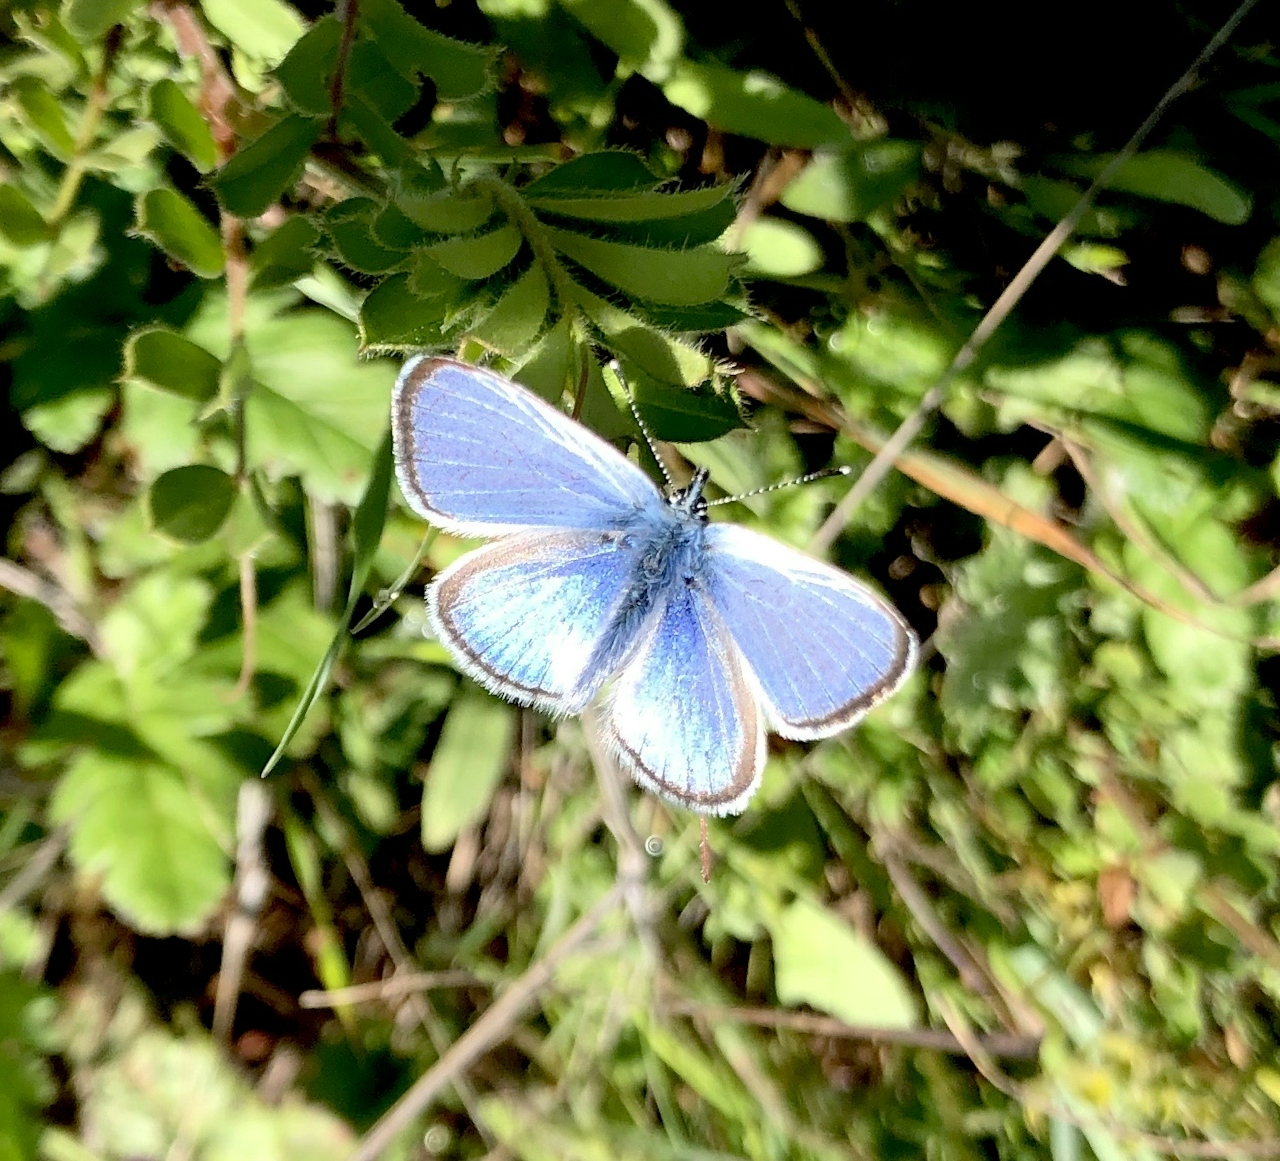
pixel 470 758
pixel 175 225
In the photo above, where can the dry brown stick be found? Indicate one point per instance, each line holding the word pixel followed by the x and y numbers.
pixel 1012 295
pixel 1009 1045
pixel 922 911
pixel 25 583
pixel 397 985
pixel 253 812
pixel 39 864
pixel 249 612
pixel 490 1030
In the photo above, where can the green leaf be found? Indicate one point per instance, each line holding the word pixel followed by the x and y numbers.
pixel 261 171
pixel 44 114
pixel 24 1081
pixel 307 70
pixel 429 280
pixel 1266 276
pixel 137 824
pixel 315 410
pixel 170 221
pixel 374 79
pixel 473 753
pixel 460 71
pixel 753 104
pixel 685 416
pixel 192 502
pixel 1005 640
pixel 780 249
pixel 1095 258
pixel 88 20
pixel 1167 176
pixel 264 30
pixel 152 628
pixel 822 960
pixel 606 172
pixel 350 226
pixel 393 229
pixel 284 255
pixel 68 423
pixel 676 277
pixel 171 363
pixel 181 124
pixel 849 185
pixel 671 220
pixel 549 368
pixel 367 524
pixel 376 132
pixel 648 38
pixel 480 256
pixel 444 211
pixel 316 426
pixel 20 222
pixel 518 316
pixel 1135 378
pixel 638 207
pixel 392 317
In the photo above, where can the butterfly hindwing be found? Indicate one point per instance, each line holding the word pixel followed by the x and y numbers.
pixel 481 456
pixel 682 717
pixel 822 647
pixel 531 614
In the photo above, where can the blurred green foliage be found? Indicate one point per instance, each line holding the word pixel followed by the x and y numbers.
pixel 1028 908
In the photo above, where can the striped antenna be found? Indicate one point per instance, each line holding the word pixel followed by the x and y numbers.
pixel 616 368
pixel 822 475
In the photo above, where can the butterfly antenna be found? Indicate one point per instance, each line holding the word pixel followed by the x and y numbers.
pixel 616 368
pixel 822 475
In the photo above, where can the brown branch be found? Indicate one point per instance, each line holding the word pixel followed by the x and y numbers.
pixel 348 11
pixel 1011 1046
pixel 397 985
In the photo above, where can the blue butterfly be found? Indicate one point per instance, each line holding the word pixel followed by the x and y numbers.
pixel 706 633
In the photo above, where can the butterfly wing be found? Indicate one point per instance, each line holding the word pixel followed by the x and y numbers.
pixel 534 616
pixel 481 456
pixel 683 718
pixel 822 647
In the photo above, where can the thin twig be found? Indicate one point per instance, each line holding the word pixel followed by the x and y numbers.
pixel 253 812
pixel 397 985
pixel 94 108
pixel 25 583
pixel 1009 1045
pixel 490 1030
pixel 249 614
pixel 922 911
pixel 1003 306
pixel 38 864
pixel 348 11
pixel 323 525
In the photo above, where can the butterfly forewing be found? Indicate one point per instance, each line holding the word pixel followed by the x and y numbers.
pixel 683 717
pixel 822 647
pixel 480 456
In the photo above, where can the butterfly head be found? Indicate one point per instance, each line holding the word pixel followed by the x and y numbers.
pixel 690 502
